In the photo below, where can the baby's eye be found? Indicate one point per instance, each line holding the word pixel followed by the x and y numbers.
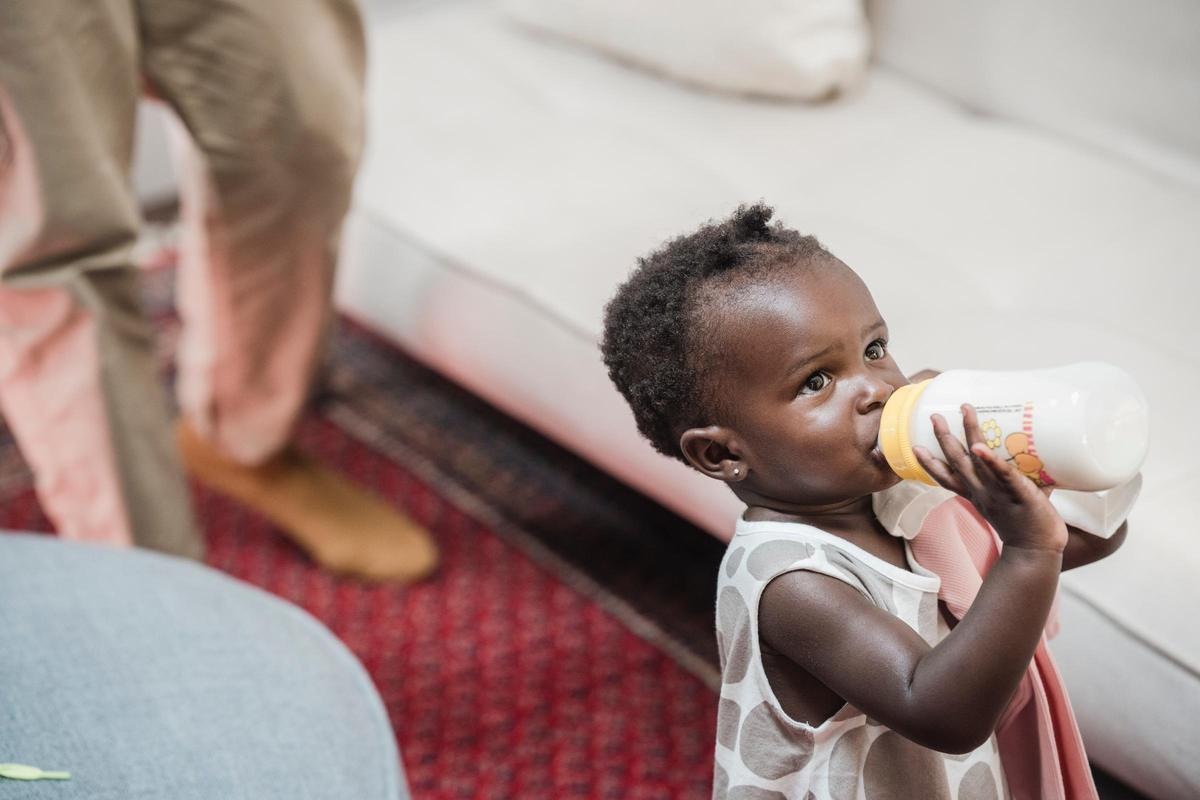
pixel 815 383
pixel 879 346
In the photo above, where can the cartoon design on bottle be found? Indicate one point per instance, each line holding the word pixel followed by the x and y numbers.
pixel 1025 459
pixel 1021 452
pixel 1025 454
pixel 991 432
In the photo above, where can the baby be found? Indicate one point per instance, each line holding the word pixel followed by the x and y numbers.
pixel 751 353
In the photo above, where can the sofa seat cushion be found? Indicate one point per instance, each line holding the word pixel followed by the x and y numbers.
pixel 806 49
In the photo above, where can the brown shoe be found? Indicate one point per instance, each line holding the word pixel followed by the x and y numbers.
pixel 342 526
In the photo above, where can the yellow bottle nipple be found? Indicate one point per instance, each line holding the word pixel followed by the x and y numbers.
pixel 895 437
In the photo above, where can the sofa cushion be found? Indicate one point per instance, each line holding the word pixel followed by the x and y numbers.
pixel 804 49
pixel 1119 74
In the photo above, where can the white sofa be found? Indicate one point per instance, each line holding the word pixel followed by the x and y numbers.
pixel 1018 183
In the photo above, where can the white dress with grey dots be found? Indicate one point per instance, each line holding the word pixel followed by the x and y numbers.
pixel 762 753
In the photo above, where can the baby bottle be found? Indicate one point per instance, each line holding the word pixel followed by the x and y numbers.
pixel 1078 427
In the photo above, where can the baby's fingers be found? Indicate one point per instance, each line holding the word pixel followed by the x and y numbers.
pixel 958 460
pixel 971 427
pixel 1004 472
pixel 939 471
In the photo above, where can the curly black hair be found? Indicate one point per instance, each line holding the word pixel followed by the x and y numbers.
pixel 655 344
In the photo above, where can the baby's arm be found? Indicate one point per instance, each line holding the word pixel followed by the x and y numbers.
pixel 1084 548
pixel 947 697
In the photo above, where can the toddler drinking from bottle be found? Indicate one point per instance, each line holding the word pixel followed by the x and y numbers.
pixel 851 667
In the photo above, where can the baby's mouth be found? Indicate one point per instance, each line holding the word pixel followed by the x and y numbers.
pixel 874 450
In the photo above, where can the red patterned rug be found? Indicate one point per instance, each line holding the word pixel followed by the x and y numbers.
pixel 564 650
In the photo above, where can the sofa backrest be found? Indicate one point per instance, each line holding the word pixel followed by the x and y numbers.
pixel 1120 74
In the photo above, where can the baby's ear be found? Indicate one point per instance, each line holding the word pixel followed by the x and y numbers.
pixel 714 451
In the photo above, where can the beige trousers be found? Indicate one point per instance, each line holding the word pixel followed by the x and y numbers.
pixel 270 94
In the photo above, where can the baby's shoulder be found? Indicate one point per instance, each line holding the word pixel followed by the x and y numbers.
pixel 762 552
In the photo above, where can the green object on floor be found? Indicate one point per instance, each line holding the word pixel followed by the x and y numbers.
pixel 23 772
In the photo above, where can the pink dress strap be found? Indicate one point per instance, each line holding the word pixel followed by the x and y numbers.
pixel 1040 746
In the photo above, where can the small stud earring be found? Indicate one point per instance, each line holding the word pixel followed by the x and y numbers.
pixel 737 471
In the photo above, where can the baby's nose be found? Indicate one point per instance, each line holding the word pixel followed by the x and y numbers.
pixel 875 394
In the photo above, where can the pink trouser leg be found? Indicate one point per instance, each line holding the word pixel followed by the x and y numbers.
pixel 254 300
pixel 268 148
pixel 58 414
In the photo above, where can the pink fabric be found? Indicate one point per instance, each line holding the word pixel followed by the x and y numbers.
pixel 1040 745
pixel 57 414
pixel 253 292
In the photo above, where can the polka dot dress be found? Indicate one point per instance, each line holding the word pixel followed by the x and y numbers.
pixel 762 753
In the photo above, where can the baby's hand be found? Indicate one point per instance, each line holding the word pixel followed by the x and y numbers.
pixel 1019 511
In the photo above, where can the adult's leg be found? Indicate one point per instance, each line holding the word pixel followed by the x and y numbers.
pixel 270 93
pixel 146 676
pixel 78 379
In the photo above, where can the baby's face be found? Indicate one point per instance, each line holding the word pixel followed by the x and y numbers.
pixel 807 376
